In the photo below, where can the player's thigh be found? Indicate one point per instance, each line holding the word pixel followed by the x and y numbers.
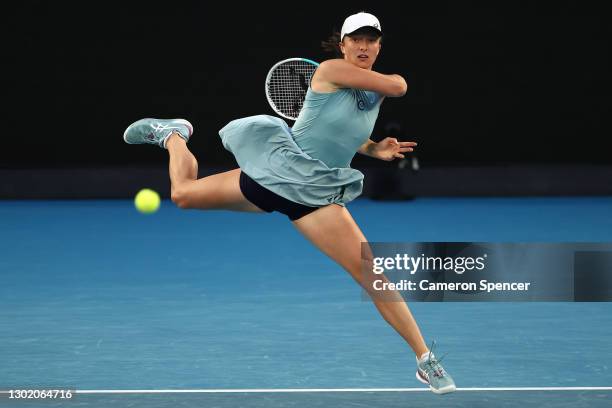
pixel 333 230
pixel 218 191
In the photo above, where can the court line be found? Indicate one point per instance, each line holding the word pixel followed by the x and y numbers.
pixel 324 390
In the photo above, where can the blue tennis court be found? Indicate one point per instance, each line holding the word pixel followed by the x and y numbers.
pixel 96 296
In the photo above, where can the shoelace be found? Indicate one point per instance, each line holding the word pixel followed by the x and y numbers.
pixel 432 365
pixel 163 130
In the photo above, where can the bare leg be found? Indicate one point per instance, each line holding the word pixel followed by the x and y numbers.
pixel 183 164
pixel 219 191
pixel 333 231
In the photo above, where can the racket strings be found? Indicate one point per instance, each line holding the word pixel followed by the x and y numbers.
pixel 288 86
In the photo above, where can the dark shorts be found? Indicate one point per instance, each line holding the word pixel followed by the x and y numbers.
pixel 269 201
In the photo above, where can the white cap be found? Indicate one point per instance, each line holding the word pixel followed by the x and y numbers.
pixel 357 21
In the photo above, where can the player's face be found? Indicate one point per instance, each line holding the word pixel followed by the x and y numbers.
pixel 361 49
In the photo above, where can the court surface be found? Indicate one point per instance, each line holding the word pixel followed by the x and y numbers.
pixel 96 296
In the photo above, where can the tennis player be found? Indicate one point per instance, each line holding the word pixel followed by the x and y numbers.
pixel 304 172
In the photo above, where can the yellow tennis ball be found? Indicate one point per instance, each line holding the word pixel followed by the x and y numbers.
pixel 147 201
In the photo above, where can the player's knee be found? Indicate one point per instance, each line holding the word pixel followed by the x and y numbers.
pixel 179 198
pixel 364 273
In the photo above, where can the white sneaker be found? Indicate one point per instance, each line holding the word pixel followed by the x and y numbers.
pixel 156 131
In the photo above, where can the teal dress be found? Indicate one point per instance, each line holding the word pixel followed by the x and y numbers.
pixel 310 163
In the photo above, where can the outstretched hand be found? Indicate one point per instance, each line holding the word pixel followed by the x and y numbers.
pixel 390 148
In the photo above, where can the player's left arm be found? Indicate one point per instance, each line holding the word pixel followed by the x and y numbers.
pixel 387 149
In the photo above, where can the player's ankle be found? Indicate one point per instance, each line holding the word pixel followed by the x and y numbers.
pixel 175 137
pixel 424 356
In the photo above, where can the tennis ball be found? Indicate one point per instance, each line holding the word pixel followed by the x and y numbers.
pixel 147 201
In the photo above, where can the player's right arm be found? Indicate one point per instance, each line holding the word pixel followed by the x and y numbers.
pixel 337 73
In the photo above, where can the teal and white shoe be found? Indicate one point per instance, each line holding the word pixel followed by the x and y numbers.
pixel 431 372
pixel 156 131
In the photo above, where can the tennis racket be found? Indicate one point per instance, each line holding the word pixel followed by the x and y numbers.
pixel 286 85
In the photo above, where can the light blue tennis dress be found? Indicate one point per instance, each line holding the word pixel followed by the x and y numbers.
pixel 310 163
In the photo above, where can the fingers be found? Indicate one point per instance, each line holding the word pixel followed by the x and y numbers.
pixel 407 146
pixel 398 148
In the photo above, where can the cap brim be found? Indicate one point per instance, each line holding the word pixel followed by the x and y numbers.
pixel 367 29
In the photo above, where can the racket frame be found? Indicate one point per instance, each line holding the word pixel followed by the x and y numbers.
pixel 269 78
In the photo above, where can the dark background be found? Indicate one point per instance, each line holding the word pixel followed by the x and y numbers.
pixel 504 99
pixel 489 84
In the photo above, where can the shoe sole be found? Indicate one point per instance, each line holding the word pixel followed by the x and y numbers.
pixel 444 390
pixel 179 121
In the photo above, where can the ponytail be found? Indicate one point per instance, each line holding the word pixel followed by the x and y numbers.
pixel 331 45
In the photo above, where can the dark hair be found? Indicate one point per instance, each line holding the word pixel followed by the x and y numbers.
pixel 331 45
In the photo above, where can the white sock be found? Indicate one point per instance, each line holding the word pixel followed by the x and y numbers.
pixel 424 356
